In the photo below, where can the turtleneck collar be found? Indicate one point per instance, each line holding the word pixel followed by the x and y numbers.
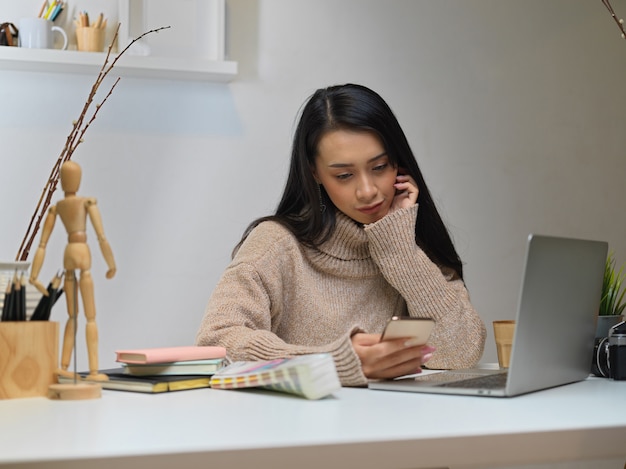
pixel 346 252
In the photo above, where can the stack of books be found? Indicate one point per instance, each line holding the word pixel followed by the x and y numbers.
pixel 162 369
pixel 172 361
pixel 157 370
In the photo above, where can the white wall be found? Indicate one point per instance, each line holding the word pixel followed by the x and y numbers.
pixel 515 110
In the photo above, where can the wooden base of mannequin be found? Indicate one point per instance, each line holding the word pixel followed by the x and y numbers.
pixel 74 392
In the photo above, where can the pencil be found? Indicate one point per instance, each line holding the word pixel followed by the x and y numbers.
pixel 7 300
pixel 49 10
pixel 57 11
pixel 55 293
pixel 40 310
pixel 11 316
pixel 21 311
pixel 98 21
pixel 44 307
pixel 43 7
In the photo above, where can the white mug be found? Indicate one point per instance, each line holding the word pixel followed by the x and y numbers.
pixel 37 33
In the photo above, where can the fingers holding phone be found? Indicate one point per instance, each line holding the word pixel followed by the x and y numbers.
pixel 414 331
pixel 400 350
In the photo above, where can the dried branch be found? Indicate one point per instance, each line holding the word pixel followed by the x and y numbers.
pixel 74 139
pixel 618 21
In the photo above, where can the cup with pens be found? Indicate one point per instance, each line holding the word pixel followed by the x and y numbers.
pixel 90 36
pixel 39 32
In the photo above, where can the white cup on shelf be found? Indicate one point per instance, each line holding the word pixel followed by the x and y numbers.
pixel 38 33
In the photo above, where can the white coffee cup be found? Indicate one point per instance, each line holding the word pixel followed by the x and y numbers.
pixel 37 33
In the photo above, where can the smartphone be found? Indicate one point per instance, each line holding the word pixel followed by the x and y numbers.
pixel 408 327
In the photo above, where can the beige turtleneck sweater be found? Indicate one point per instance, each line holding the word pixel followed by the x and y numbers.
pixel 278 298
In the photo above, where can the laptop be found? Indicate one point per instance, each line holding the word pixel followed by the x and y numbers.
pixel 555 326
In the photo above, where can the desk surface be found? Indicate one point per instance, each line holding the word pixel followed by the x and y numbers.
pixel 354 428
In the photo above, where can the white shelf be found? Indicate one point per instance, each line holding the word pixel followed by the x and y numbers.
pixel 69 61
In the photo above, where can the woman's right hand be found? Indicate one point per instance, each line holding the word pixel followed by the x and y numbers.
pixel 390 358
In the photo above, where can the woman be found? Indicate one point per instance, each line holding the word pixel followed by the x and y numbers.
pixel 344 252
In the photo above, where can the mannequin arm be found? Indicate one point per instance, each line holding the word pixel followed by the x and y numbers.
pixel 96 221
pixel 40 254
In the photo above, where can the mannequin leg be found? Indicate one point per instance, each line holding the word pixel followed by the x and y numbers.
pixel 69 286
pixel 89 304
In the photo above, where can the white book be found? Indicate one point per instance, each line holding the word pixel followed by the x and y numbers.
pixel 188 367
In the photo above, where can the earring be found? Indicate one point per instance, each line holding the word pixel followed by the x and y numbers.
pixel 319 194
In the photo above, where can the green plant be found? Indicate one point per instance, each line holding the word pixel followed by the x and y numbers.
pixel 612 302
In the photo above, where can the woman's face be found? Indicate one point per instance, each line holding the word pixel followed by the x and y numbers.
pixel 355 170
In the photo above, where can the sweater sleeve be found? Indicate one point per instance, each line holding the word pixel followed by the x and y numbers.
pixel 459 333
pixel 243 314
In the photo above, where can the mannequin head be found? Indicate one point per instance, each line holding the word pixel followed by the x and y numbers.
pixel 70 176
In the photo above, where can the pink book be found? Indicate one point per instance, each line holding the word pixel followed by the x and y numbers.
pixel 170 354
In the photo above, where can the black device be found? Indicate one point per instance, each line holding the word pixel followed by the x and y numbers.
pixel 609 354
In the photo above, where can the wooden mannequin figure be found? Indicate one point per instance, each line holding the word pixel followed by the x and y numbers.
pixel 73 211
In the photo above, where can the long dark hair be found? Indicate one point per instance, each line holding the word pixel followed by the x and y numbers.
pixel 352 107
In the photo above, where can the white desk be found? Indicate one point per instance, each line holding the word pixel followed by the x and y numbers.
pixel 357 428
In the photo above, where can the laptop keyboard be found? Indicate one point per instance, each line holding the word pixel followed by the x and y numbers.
pixel 451 379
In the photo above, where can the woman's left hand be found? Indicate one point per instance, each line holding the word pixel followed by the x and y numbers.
pixel 406 192
pixel 389 358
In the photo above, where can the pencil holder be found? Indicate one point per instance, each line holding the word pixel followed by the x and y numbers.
pixel 29 355
pixel 90 39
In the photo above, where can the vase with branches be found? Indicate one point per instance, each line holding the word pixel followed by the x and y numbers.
pixel 10 270
pixel 75 138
